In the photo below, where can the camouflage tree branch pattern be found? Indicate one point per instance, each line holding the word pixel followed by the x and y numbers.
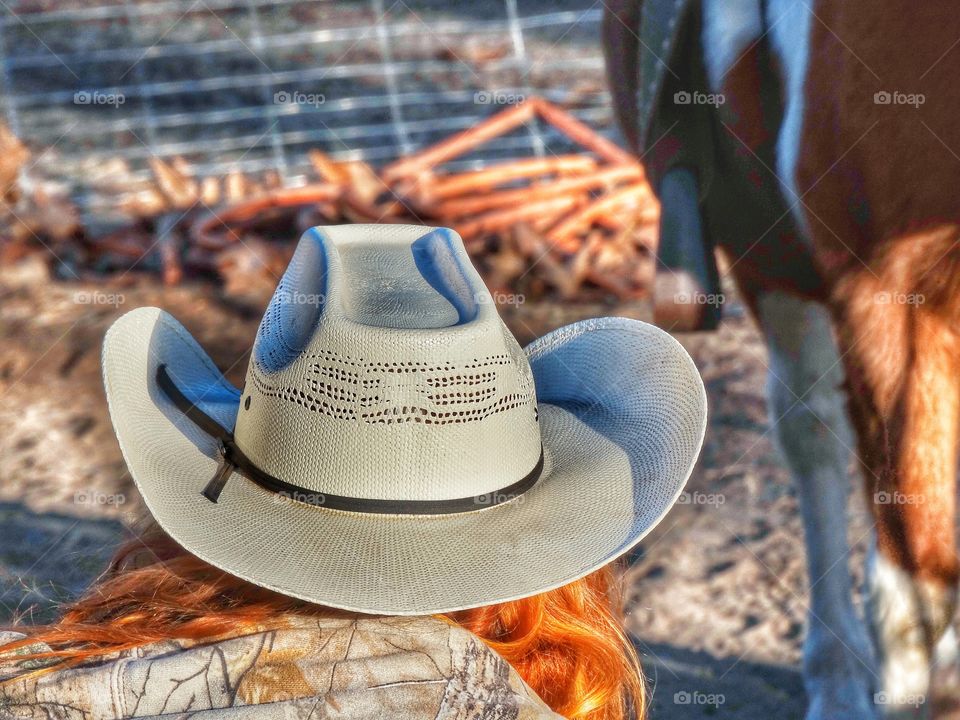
pixel 314 668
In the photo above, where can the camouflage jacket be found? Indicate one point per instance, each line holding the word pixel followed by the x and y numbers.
pixel 367 668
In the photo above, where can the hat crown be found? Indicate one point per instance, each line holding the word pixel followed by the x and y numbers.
pixel 382 370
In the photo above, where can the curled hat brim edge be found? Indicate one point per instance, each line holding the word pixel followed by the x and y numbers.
pixel 622 413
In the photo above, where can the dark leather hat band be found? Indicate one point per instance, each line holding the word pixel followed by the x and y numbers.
pixel 232 460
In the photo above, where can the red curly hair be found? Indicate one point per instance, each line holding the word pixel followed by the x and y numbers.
pixel 568 644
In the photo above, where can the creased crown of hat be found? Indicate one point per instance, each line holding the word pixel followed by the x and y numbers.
pixel 382 370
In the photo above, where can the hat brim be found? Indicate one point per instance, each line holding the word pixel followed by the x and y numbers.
pixel 622 412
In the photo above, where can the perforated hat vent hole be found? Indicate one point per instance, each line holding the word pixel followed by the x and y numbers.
pixel 246 403
pixel 372 392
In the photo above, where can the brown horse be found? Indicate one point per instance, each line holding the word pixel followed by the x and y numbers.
pixel 828 178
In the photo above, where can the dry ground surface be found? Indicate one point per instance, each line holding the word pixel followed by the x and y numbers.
pixel 716 595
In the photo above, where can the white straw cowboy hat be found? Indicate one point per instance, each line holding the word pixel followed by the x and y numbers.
pixel 394 450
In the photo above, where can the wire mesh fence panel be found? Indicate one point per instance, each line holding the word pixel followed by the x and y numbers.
pixel 251 85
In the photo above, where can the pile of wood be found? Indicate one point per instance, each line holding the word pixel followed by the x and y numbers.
pixel 571 220
pixel 566 226
pixel 32 214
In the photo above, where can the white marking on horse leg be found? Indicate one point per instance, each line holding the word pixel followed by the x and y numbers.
pixel 789 23
pixel 729 27
pixel 813 433
pixel 895 611
pixel 945 673
pixel 947 651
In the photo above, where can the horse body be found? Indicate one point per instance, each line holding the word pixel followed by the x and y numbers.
pixel 851 173
pixel 881 212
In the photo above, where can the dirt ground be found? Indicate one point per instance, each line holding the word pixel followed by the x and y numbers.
pixel 716 595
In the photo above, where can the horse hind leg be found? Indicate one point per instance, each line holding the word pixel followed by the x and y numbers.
pixel 914 572
pixel 813 434
pixel 904 371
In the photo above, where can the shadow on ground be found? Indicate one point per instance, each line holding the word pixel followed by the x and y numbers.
pixel 54 560
pixel 691 685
